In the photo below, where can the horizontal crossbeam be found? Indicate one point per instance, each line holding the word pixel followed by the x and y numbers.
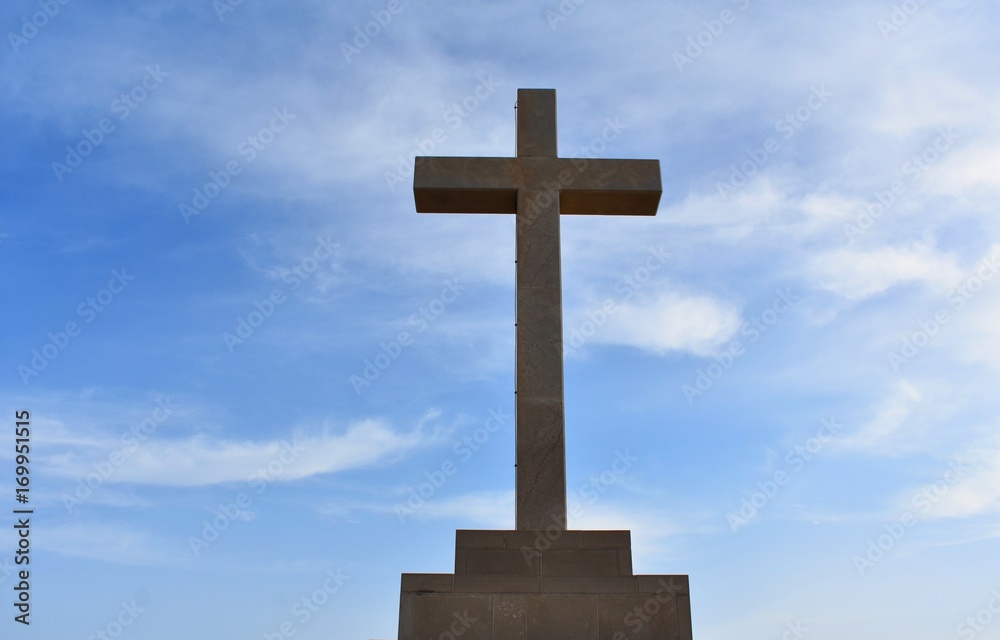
pixel 490 185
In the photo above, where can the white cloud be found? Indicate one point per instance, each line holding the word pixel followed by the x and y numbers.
pixel 670 322
pixel 855 274
pixel 936 98
pixel 889 431
pixel 974 167
pixel 828 208
pixel 969 486
pixel 978 341
pixel 735 217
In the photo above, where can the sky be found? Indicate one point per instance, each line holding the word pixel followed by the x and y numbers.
pixel 260 386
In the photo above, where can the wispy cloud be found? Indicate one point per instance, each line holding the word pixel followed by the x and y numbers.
pixel 204 460
pixel 889 431
pixel 970 170
pixel 976 492
pixel 696 324
pixel 858 274
pixel 488 509
pixel 114 542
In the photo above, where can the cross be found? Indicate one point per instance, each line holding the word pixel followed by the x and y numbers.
pixel 537 186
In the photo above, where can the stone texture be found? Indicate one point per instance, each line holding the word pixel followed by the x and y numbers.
pixel 551 538
pixel 563 617
pixel 510 617
pixel 499 562
pixel 637 618
pixel 407 612
pixel 466 616
pixel 537 348
pixel 536 122
pixel 490 185
pixel 606 540
pixel 625 562
pixel 537 240
pixel 541 468
pixel 614 187
pixel 684 617
pixel 580 562
pixel 497 584
pixel 588 584
pixel 423 582
pixel 550 552
pixel 540 409
pixel 657 584
pixel 481 538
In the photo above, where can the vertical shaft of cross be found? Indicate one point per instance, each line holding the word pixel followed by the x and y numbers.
pixel 540 406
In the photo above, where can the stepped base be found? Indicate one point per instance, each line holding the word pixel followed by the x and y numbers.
pixel 540 585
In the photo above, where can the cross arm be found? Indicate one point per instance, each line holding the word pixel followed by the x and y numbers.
pixel 490 185
pixel 465 185
pixel 610 187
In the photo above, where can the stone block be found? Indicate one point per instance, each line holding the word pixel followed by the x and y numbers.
pixel 657 584
pixel 461 559
pixel 562 617
pixel 407 611
pixel 498 584
pixel 467 616
pixel 684 616
pixel 544 539
pixel 428 582
pixel 607 539
pixel 510 617
pixel 580 562
pixel 625 562
pixel 588 584
pixel 637 618
pixel 480 538
pixel 502 562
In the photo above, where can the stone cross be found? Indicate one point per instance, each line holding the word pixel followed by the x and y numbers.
pixel 537 186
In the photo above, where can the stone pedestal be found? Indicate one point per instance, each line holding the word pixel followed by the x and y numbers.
pixel 538 585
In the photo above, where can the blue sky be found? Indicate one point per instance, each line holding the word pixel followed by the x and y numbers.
pixel 210 251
